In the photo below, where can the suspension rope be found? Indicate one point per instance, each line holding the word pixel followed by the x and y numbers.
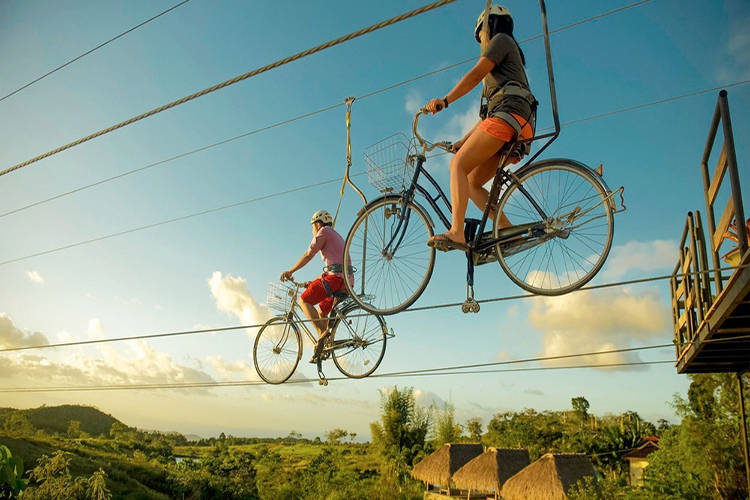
pixel 236 79
pixel 95 48
pixel 315 112
pixel 347 179
pixel 414 309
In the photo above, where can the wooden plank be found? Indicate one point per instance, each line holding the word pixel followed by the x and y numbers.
pixel 690 299
pixel 723 225
pixel 683 318
pixel 721 168
pixel 680 290
pixel 686 265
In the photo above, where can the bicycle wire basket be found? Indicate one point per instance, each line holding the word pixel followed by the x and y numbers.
pixel 389 166
pixel 279 296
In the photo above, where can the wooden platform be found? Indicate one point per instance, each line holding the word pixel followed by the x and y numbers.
pixel 712 349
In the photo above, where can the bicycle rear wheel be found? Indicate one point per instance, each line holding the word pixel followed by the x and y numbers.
pixel 358 342
pixel 563 252
pixel 277 350
pixel 391 281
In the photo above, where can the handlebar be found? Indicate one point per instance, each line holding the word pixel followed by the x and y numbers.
pixel 295 283
pixel 426 145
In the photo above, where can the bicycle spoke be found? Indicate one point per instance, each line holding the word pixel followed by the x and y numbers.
pixel 395 275
pixel 573 251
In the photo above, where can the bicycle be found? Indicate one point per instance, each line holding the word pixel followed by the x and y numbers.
pixel 552 247
pixel 356 341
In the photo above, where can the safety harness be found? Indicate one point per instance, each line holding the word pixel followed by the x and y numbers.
pixel 515 89
pixel 335 268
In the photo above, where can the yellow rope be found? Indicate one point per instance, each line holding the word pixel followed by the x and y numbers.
pixel 236 79
pixel 348 101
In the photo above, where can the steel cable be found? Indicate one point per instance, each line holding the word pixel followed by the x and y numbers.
pixel 414 309
pixel 236 79
pixel 310 113
pixel 95 48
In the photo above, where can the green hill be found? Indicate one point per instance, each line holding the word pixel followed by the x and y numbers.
pixel 57 418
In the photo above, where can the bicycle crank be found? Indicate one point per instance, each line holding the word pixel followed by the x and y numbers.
pixel 322 380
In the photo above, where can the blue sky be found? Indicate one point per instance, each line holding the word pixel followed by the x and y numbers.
pixel 212 270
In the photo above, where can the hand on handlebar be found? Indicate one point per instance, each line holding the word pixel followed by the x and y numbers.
pixel 434 106
pixel 286 276
pixel 456 146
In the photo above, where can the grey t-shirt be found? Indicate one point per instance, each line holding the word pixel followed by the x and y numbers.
pixel 503 51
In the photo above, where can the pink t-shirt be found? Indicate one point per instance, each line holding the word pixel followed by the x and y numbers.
pixel 330 244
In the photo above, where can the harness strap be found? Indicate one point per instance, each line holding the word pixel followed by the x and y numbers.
pixel 339 268
pixel 510 120
pixel 329 292
pixel 511 88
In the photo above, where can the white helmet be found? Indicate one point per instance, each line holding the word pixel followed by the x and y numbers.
pixel 321 216
pixel 495 10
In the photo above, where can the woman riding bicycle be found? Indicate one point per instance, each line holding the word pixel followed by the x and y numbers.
pixel 509 113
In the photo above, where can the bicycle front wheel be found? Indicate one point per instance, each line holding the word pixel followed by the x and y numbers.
pixel 277 350
pixel 358 342
pixel 564 251
pixel 388 246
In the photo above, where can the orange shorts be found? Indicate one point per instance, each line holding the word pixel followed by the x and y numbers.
pixel 499 128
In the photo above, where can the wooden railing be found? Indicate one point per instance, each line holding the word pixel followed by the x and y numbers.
pixel 690 284
pixel 692 288
pixel 733 211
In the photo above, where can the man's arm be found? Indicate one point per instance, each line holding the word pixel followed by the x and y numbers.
pixel 302 262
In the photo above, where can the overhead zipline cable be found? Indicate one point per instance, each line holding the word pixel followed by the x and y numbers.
pixel 413 309
pixel 245 383
pixel 95 48
pixel 311 113
pixel 231 81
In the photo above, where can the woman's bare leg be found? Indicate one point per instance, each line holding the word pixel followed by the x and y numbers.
pixel 478 178
pixel 478 148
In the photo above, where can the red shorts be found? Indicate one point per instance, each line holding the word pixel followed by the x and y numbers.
pixel 499 128
pixel 316 293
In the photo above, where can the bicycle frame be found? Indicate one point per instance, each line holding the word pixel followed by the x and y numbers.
pixel 502 178
pixel 292 316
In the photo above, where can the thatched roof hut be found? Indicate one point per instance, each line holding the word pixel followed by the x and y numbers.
pixel 549 478
pixel 438 467
pixel 489 471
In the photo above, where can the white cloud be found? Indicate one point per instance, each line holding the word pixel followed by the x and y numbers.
pixel 64 337
pixel 414 101
pixel 534 392
pixel 143 365
pixel 35 277
pixel 734 63
pixel 232 296
pixel 95 329
pixel 640 256
pixel 461 123
pixel 237 370
pixel 592 321
pixel 11 336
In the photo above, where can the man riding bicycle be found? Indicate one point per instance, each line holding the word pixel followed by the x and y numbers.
pixel 320 291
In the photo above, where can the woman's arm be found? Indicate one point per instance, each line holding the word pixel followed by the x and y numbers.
pixel 468 82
